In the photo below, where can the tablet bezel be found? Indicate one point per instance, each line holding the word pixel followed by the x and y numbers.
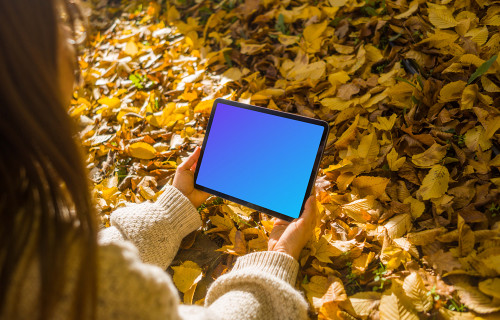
pixel 282 114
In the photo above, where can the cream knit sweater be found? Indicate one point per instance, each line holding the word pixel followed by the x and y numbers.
pixel 137 248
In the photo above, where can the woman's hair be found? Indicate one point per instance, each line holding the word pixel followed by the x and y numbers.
pixel 45 203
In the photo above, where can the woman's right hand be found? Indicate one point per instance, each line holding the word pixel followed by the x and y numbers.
pixel 291 237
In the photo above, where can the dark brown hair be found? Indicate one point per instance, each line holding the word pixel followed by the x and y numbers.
pixel 45 204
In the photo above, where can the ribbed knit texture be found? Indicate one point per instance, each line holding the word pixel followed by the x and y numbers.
pixel 132 283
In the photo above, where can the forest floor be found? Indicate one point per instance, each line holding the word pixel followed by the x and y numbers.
pixel 408 188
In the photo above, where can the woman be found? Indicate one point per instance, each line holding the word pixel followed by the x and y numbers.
pixel 53 263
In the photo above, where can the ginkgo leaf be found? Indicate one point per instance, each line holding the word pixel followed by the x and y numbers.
pixel 186 275
pixel 142 150
pixel 435 183
pixel 415 290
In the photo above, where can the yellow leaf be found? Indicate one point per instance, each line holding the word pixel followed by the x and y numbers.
pixel 368 185
pixel 186 275
pixel 373 53
pixel 425 237
pixel 475 138
pixel 474 299
pixel 417 207
pixel 231 74
pixel 267 94
pixel 394 256
pixel 340 77
pixel 440 16
pixel 393 161
pixel 313 31
pixel 361 263
pixel 368 146
pixel 398 226
pixel 469 96
pixel 478 35
pixel 385 123
pixel 251 48
pixel 335 292
pixel 337 3
pixel 452 91
pixel 358 209
pixel 142 150
pixel 110 102
pixel 488 85
pixel 471 59
pixel 221 223
pixel 323 250
pixel 312 71
pixel 412 8
pixel 435 183
pixel 415 290
pixel 490 287
pixel 204 106
pixel 337 103
pixel 131 48
pixel 392 308
pixel 365 303
pixel 316 288
pixel 429 157
pixel 348 135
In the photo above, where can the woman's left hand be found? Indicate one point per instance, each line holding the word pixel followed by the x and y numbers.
pixel 184 179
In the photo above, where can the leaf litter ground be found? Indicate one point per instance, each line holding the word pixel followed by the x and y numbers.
pixel 408 189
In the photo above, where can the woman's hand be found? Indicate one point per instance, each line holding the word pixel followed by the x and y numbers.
pixel 291 237
pixel 184 179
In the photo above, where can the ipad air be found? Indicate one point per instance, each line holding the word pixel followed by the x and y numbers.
pixel 264 159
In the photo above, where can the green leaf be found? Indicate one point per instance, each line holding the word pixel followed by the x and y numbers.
pixel 482 69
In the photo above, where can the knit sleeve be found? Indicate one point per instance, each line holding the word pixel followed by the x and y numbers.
pixel 156 228
pixel 260 286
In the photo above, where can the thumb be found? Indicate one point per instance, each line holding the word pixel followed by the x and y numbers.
pixel 191 160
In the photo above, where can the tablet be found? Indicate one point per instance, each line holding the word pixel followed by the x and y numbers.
pixel 264 159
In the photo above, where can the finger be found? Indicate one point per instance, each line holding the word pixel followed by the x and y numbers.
pixel 193 167
pixel 280 222
pixel 192 159
pixel 310 210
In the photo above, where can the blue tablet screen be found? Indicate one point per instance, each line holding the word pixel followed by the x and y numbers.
pixel 260 158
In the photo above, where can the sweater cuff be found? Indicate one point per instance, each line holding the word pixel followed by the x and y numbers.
pixel 278 264
pixel 183 216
